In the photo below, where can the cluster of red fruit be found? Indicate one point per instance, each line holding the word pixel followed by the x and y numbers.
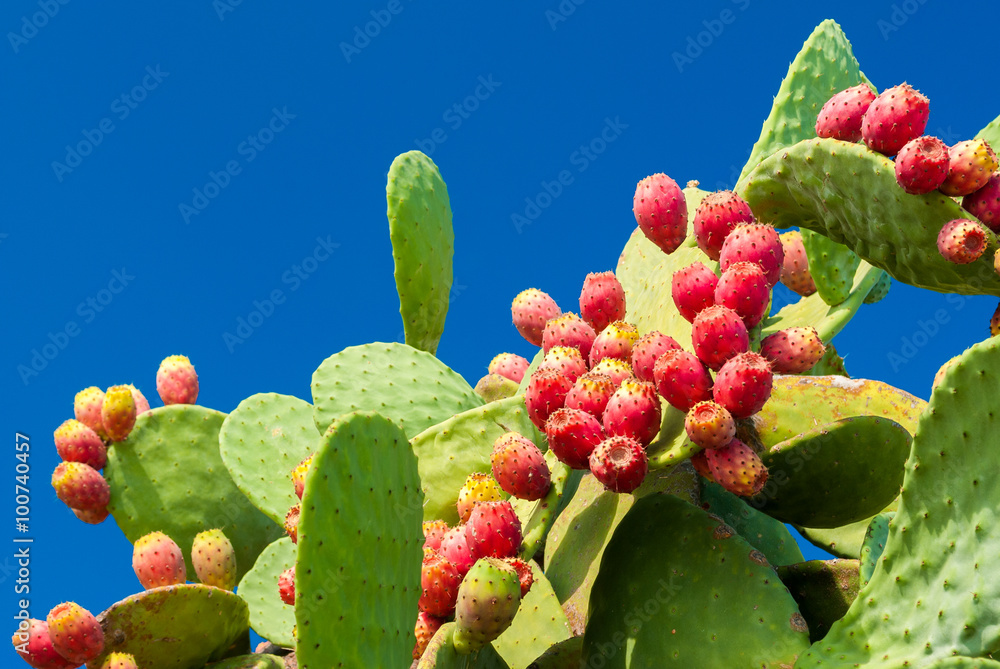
pixel 68 637
pixel 892 124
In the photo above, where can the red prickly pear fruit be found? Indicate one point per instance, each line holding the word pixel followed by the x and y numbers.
pixel 757 243
pixel 75 633
pixel 75 442
pixel 970 165
pixel 661 211
pixel 619 463
pixel 519 467
pixel 573 435
pixel 896 116
pixel 493 530
pixel 709 425
pixel 33 644
pixel 602 300
pixel 434 531
pixel 793 351
pixel 439 581
pixel 693 289
pixel 214 559
pixel 984 204
pixel 87 409
pixel 718 334
pixel 717 215
pixel 615 369
pixel 961 241
pixel 569 330
pixel 531 310
pixel 545 394
pixel 700 464
pixel 292 522
pixel 633 411
pixel 509 365
pixel 286 586
pixel 118 412
pixel 478 487
pixel 118 660
pixel 590 393
pixel 488 599
pixel 157 561
pixel 141 403
pixel 176 381
pixel 922 165
pixel 840 118
pixel 524 575
pixel 91 516
pixel 425 629
pixel 456 548
pixel 80 486
pixel 743 384
pixel 996 261
pixel 646 352
pixel 615 341
pixel 565 360
pixel 737 468
pixel 795 264
pixel 299 475
pixel 743 288
pixel 681 379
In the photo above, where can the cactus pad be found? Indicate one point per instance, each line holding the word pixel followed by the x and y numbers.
pixel 536 517
pixel 563 655
pixel 441 654
pixel 539 624
pixel 873 546
pixel 991 133
pixel 761 531
pixel 824 590
pixel 270 617
pixel 253 661
pixel 831 265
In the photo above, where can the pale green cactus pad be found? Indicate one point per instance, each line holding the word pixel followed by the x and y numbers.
pixel 991 133
pixel 874 545
pixel 563 655
pixel 831 265
pixel 441 654
pixel 824 590
pixel 539 624
pixel 764 533
pixel 536 516
pixel 845 541
pixel 270 617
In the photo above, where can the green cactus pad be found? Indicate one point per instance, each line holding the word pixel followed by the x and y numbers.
pixel 254 661
pixel 176 626
pixel 824 590
pixel 678 587
pixel 357 576
pixel 935 594
pixel 581 532
pixel 168 476
pixel 448 452
pixel 261 441
pixel 671 445
pixel 270 617
pixel 991 133
pixel 835 474
pixel 881 289
pixel 411 388
pixel 831 364
pixel 874 545
pixel 441 654
pixel 831 265
pixel 761 531
pixel 539 624
pixel 532 366
pixel 824 66
pixel 850 194
pixel 536 517
pixel 563 655
pixel 845 541
pixel 423 244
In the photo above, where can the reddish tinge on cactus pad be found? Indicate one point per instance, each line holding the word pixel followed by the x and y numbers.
pixel 530 311
pixel 661 211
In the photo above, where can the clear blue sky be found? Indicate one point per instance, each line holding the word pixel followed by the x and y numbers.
pixel 167 166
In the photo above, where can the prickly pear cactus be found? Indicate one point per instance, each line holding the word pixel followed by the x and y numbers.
pixel 270 617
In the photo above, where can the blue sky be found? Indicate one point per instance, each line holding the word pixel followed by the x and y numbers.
pixel 171 169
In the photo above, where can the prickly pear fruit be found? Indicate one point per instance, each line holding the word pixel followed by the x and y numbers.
pixel 794 350
pixel 91 516
pixel 984 203
pixel 214 559
pixel 158 561
pixel 80 486
pixel 75 632
pixel 33 644
pixel 896 116
pixel 573 434
pixel 455 547
pixel 619 463
pixel 510 365
pixel 602 300
pixel 661 211
pixel 795 264
pixel 709 425
pixel 488 599
pixel 646 352
pixel 743 384
pixel 718 334
pixel 700 464
pixel 737 468
pixel 681 379
pixel 299 475
pixel 286 586
pixel 565 360
pixel 961 241
pixel 493 387
pixel 569 330
pixel 590 393
pixel 439 580
pixel 545 394
pixel 478 487
pixel 717 215
pixel 87 409
pixel 615 341
pixel 633 411
pixel 524 575
pixel 425 629
pixel 75 442
pixel 434 531
pixel 757 243
pixel 176 381
pixel 292 522
pixel 118 660
pixel 615 369
pixel 519 467
pixel 531 310
pixel 493 530
pixel 840 118
pixel 971 164
pixel 118 412
pixel 743 288
pixel 141 403
pixel 880 289
pixel 693 289
pixel 922 165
